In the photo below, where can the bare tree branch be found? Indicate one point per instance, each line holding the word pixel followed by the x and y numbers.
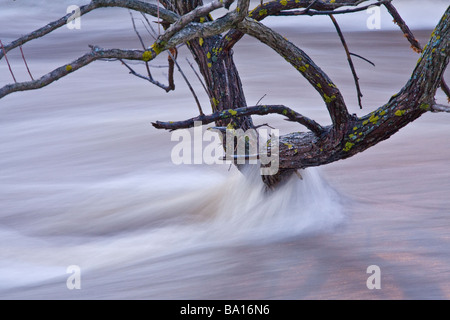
pixel 206 29
pixel 240 112
pixel 304 64
pixel 96 54
pixel 415 45
pixel 141 6
pixel 440 108
pixel 274 7
pixel 327 12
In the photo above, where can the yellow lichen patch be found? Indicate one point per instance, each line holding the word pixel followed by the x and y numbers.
pixel 215 102
pixel 374 119
pixel 355 128
pixel 382 113
pixel 332 1
pixel 146 56
pixel 290 146
pixel 399 113
pixel 302 68
pixel 156 48
pixel 283 2
pixel 348 146
pixel 201 41
pixel 232 112
pixel 329 99
pixel 202 19
pixel 263 12
pixel 319 85
pixel 285 112
pixel 209 64
pixel 365 122
pixel 230 126
pixel 208 55
pixel 424 106
pixel 69 68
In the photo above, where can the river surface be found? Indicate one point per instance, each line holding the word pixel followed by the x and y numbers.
pixel 86 181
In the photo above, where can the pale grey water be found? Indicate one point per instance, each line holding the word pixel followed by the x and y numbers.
pixel 86 180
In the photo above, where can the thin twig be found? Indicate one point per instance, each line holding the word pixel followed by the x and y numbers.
pixel 362 58
pixel 150 25
pixel 26 64
pixel 151 80
pixel 349 58
pixel 264 125
pixel 188 83
pixel 309 6
pixel 7 61
pixel 142 43
pixel 198 76
pixel 261 99
pixel 159 25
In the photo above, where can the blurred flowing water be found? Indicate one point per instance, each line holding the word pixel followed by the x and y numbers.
pixel 86 180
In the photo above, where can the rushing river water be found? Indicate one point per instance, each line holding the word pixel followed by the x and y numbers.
pixel 86 180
